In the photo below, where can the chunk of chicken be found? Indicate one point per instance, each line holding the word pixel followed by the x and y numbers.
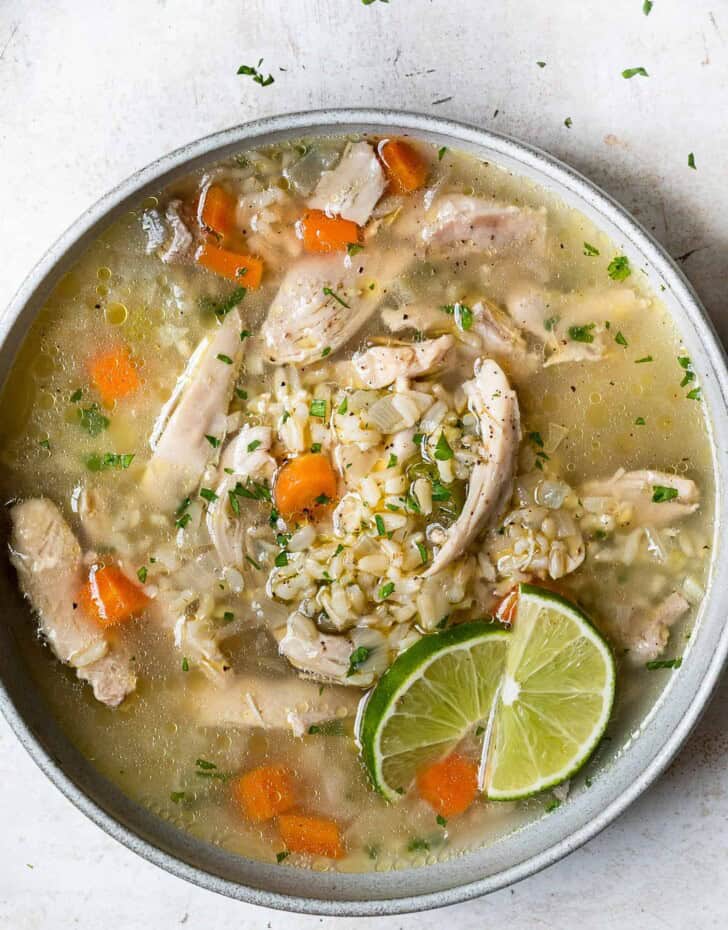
pixel 324 300
pixel 495 404
pixel 637 489
pixel 245 456
pixel 379 366
pixel 502 340
pixel 354 186
pixel 47 557
pixel 269 703
pixel 644 632
pixel 178 247
pixel 460 220
pixel 332 656
pixel 193 421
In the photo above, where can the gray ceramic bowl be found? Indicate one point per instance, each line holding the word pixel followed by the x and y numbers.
pixel 646 738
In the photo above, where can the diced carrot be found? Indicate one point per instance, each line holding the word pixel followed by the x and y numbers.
pixel 110 597
pixel 507 606
pixel 218 211
pixel 405 167
pixel 243 269
pixel 304 483
pixel 316 836
pixel 264 792
pixel 322 233
pixel 450 785
pixel 114 374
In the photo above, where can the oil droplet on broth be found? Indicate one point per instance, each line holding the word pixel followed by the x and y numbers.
pixel 116 314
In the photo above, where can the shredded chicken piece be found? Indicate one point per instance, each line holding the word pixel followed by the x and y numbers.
pixel 637 488
pixel 247 455
pixel 502 340
pixel 380 366
pixel 419 317
pixel 191 425
pixel 271 703
pixel 457 219
pixel 645 631
pixel 353 187
pixel 48 560
pixel 323 301
pixel 179 247
pixel 495 404
pixel 329 655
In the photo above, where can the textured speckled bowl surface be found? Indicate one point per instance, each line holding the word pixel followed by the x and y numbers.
pixel 645 739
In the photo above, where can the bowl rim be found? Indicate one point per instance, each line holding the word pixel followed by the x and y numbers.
pixel 692 688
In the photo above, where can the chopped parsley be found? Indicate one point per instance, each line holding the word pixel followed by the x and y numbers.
pixel 92 420
pixel 96 462
pixel 461 313
pixel 224 358
pixel 252 446
pixel 664 663
pixel 76 396
pixel 329 293
pixel 214 441
pixel 281 560
pixel 315 447
pixel 323 499
pixel 443 450
pixel 381 530
pixel 176 796
pixel 568 123
pixel 441 821
pixel 691 162
pixel 418 845
pixel 694 394
pixel 660 494
pixel 280 856
pixel 441 153
pixel 643 360
pixel 44 443
pixel 357 659
pixel 422 551
pixel 647 7
pixel 245 334
pixel 392 460
pixel 252 562
pixel 440 492
pixel 541 64
pixel 343 406
pixel 208 494
pixel 386 590
pixel 619 268
pixel 185 665
pixel 142 574
pixel 640 421
pixel 318 408
pixel 223 307
pixel 550 324
pixel 326 351
pixel 552 805
pixel 252 490
pixel 182 521
pixel 256 74
pixel 536 439
pixel 620 340
pixel 582 333
pixel 243 395
pixel 632 72
pixel 353 248
pixel 590 249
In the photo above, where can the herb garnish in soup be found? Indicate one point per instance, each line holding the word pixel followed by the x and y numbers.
pixel 351 479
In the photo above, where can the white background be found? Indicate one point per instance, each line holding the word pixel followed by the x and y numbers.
pixel 93 89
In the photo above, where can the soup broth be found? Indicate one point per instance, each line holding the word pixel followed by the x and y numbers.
pixel 252 453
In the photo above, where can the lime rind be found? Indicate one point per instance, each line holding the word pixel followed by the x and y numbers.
pixel 473 654
pixel 553 733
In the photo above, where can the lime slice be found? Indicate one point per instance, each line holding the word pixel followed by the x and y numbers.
pixel 428 700
pixel 555 700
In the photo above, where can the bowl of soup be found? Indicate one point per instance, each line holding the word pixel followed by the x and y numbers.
pixel 362 477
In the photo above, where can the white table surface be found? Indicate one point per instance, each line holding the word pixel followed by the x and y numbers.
pixel 90 90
